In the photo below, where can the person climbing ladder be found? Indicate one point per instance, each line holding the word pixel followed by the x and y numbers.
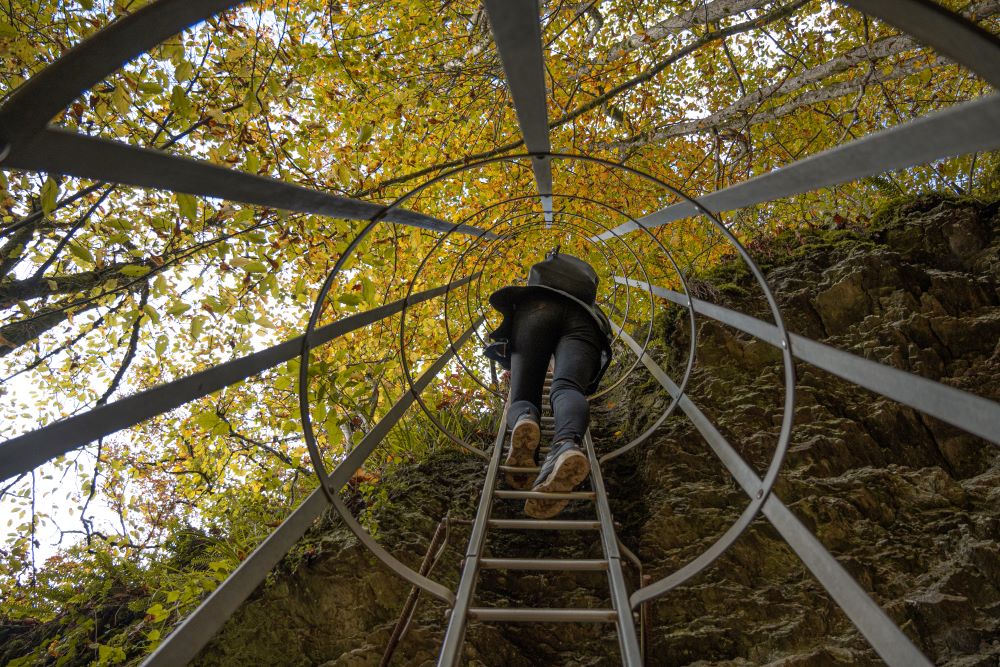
pixel 554 315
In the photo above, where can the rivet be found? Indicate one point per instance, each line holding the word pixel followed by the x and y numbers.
pixel 760 493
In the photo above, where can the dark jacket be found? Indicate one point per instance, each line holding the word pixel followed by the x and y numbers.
pixel 569 278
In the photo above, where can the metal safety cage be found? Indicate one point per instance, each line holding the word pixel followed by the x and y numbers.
pixel 28 142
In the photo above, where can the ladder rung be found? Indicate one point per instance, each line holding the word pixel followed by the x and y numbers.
pixel 527 614
pixel 517 469
pixel 578 564
pixel 544 524
pixel 539 495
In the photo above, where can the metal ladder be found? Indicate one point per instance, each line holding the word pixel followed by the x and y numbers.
pixel 464 610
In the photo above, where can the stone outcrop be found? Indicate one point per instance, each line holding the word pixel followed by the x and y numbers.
pixel 909 505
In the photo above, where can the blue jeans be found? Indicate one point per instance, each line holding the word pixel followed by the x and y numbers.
pixel 544 326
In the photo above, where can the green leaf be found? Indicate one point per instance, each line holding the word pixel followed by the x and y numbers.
pixel 334 436
pixel 162 223
pixel 153 315
pixel 368 290
pixel 178 307
pixel 187 205
pixel 219 566
pixel 157 612
pixel 7 30
pixel 179 101
pixel 120 101
pixel 365 133
pixel 81 252
pixel 349 299
pixel 207 419
pixel 50 193
pixel 134 270
pixel 243 316
pixel 255 266
pixel 214 304
pixel 197 326
pixel 104 653
pixel 183 71
pixel 252 163
pixel 161 345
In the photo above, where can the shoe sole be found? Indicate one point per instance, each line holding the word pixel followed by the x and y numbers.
pixel 524 441
pixel 571 468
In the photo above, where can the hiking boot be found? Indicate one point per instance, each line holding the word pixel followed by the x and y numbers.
pixel 564 468
pixel 524 438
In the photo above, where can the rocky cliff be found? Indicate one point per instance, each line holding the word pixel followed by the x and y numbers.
pixel 910 505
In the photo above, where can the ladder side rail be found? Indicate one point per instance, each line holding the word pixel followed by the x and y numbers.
pixel 975 414
pixel 958 130
pixel 454 637
pixel 628 639
pixel 198 628
pixel 25 452
pixel 517 33
pixel 874 624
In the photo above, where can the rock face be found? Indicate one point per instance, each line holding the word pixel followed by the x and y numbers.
pixel 909 505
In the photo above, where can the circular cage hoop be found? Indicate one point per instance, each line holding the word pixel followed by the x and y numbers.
pixel 576 227
pixel 468 307
pixel 482 256
pixel 304 358
pixel 513 158
pixel 602 248
pixel 428 413
pixel 736 529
